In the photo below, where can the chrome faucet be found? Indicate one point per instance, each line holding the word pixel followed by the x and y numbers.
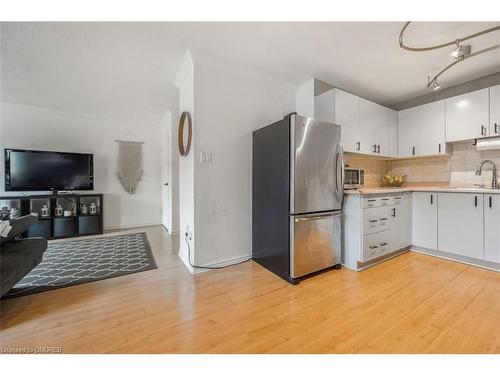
pixel 494 183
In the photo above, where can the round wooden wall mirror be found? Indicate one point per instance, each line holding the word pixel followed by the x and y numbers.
pixel 184 150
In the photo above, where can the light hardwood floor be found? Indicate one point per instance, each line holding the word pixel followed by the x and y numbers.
pixel 410 304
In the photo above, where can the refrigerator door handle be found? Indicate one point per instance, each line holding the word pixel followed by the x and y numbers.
pixel 315 217
pixel 339 167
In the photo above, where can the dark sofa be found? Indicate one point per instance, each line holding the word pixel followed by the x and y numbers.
pixel 19 256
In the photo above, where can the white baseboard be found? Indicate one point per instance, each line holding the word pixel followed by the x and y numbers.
pixel 222 263
pixel 111 227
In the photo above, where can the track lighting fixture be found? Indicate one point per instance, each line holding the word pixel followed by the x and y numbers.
pixel 461 53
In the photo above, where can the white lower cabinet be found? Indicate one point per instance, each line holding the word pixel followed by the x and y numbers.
pixel 400 222
pixel 460 224
pixel 492 228
pixel 374 226
pixel 424 220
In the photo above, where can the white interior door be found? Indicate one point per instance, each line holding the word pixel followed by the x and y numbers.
pixel 166 203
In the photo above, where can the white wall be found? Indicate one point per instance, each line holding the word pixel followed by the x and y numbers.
pixel 46 129
pixel 185 83
pixel 229 102
pixel 304 99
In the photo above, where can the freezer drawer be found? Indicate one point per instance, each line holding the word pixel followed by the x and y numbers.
pixel 315 243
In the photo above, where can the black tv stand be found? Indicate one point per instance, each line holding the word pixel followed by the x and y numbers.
pixel 73 222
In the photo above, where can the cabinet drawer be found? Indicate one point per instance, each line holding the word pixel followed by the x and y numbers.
pixel 381 201
pixel 398 199
pixel 375 245
pixel 375 219
pixel 371 202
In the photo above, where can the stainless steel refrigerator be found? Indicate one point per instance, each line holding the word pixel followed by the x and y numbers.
pixel 297 191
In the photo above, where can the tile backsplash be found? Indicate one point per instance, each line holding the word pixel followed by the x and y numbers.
pixel 458 169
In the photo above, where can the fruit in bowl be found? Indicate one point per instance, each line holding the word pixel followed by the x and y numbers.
pixel 395 181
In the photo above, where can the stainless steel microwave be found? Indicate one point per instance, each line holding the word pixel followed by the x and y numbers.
pixel 354 178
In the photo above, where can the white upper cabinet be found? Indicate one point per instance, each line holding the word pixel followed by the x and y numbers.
pixel 460 224
pixel 393 134
pixel 408 133
pixel 347 116
pixel 491 228
pixel 421 130
pixel 432 128
pixel 495 111
pixel 373 128
pixel 324 106
pixel 365 125
pixel 467 116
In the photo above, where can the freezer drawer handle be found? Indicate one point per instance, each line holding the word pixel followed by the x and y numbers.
pixel 310 218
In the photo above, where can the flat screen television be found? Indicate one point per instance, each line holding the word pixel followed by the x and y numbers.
pixel 31 170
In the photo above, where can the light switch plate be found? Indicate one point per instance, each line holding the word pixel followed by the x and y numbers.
pixel 205 157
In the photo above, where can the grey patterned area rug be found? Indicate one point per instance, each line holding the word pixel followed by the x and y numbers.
pixel 70 263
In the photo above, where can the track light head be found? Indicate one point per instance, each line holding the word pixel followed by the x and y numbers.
pixel 435 85
pixel 461 50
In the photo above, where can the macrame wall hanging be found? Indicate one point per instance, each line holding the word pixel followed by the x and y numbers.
pixel 129 163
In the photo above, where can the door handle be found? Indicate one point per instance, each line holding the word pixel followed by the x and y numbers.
pixel 432 198
pixel 317 217
pixel 475 201
pixel 491 202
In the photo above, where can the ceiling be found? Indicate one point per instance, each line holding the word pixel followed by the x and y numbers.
pixel 127 70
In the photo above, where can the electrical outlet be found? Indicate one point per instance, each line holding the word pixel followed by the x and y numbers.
pixel 188 234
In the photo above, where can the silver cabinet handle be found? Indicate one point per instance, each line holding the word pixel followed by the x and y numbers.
pixel 383 219
pixel 378 149
pixel 383 244
pixel 373 221
pixel 373 247
pixel 496 128
pixel 483 130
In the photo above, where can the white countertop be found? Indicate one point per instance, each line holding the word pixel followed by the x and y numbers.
pixel 448 189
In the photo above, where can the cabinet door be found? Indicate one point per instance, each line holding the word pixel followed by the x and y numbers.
pixel 408 134
pixel 495 110
pixel 393 133
pixel 432 128
pixel 460 224
pixel 382 130
pixel 373 128
pixel 424 220
pixel 467 116
pixel 400 228
pixel 492 228
pixel 324 106
pixel 347 116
